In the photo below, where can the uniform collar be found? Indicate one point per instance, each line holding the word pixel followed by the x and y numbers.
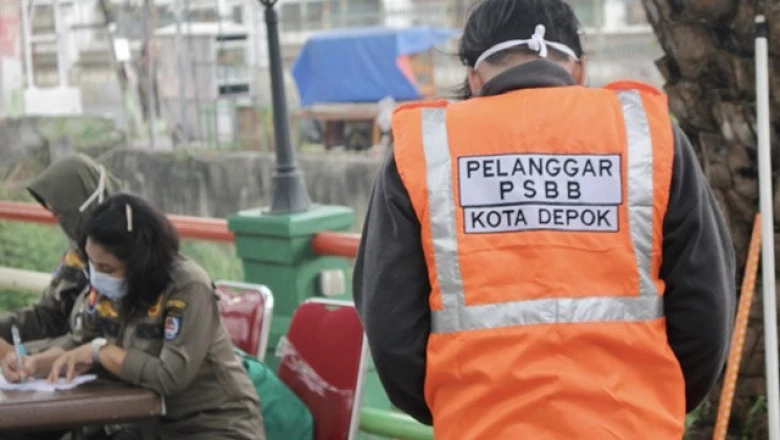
pixel 530 75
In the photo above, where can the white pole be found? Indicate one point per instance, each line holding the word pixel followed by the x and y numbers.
pixel 180 62
pixel 151 79
pixel 767 227
pixel 28 46
pixel 59 30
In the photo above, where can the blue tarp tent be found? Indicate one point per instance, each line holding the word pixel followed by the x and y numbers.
pixel 361 64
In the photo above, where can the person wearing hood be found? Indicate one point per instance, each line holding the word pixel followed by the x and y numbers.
pixel 70 188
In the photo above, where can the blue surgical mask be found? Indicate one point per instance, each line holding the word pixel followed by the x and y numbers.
pixel 111 287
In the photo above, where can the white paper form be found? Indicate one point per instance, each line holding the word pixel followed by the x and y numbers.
pixel 44 385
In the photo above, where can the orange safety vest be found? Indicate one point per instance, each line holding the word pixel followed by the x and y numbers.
pixel 541 213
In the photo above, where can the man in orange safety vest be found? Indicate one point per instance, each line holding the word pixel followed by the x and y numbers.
pixel 544 260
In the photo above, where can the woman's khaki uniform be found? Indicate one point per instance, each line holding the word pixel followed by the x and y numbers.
pixel 180 349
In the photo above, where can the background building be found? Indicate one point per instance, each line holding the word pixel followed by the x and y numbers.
pixel 618 41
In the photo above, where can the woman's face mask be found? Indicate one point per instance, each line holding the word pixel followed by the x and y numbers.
pixel 107 285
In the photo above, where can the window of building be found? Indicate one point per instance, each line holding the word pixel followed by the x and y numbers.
pixel 635 13
pixel 331 14
pixel 364 12
pixel 291 16
pixel 232 62
pixel 313 15
pixel 238 14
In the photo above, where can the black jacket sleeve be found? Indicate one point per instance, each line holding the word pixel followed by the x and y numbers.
pixel 391 290
pixel 48 318
pixel 699 271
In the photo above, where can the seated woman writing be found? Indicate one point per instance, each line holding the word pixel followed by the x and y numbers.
pixel 151 320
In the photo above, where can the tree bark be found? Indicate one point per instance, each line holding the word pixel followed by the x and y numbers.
pixel 710 79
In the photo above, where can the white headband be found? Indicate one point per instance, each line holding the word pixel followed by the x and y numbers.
pixel 536 43
pixel 99 192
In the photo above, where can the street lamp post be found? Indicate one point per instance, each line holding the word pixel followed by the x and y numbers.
pixel 289 189
pixel 274 245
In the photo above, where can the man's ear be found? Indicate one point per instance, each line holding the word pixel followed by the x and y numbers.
pixel 580 72
pixel 475 82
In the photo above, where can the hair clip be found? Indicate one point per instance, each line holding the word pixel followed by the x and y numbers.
pixel 129 216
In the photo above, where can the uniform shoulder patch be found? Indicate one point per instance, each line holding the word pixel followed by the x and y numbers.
pixel 175 304
pixel 172 326
pixel 73 259
pixel 106 308
pixel 156 308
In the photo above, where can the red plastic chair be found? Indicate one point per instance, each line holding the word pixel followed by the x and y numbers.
pixel 247 310
pixel 323 359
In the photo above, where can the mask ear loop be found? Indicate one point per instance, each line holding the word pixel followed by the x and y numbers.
pixel 536 43
pixel 99 192
pixel 129 217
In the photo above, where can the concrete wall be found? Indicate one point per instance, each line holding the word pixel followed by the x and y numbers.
pixel 28 145
pixel 217 185
pixel 206 184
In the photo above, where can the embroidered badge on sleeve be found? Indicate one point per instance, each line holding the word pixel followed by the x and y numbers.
pixel 172 327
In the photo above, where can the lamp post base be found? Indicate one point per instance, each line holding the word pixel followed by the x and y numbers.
pixel 289 192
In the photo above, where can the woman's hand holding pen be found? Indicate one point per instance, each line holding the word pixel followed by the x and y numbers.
pixel 10 367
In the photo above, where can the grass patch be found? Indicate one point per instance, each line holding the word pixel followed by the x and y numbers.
pixel 31 246
pixel 10 300
pixel 219 259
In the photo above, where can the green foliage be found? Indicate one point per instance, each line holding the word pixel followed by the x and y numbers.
pixel 31 246
pixel 83 132
pixel 695 418
pixel 10 300
pixel 755 417
pixel 219 260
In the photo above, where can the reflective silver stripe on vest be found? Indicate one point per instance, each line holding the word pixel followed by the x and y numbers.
pixel 456 316
pixel 640 187
pixel 441 200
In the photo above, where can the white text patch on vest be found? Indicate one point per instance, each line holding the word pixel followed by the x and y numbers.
pixel 562 179
pixel 541 217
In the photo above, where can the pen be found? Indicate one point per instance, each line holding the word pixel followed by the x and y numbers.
pixel 20 351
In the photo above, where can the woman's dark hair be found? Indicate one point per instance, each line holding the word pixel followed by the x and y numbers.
pixel 494 21
pixel 148 247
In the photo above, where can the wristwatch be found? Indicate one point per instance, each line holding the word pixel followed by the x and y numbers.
pixel 97 344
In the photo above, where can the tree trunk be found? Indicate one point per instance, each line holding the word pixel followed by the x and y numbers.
pixel 709 71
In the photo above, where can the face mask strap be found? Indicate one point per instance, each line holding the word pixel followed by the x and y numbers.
pixel 99 192
pixel 536 43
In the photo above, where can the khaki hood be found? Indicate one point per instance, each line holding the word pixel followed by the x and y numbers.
pixel 66 185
